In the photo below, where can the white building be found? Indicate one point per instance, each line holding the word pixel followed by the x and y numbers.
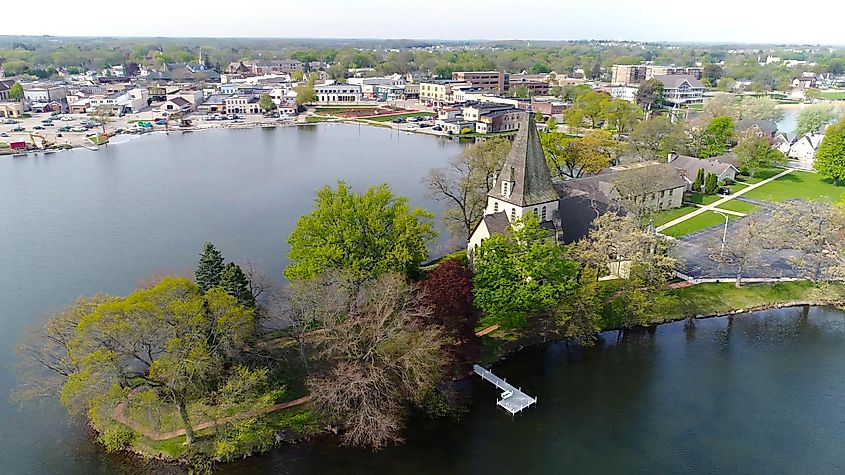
pixel 802 153
pixel 681 90
pixel 338 93
pixel 628 93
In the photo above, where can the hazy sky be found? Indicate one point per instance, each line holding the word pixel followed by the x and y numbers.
pixel 758 21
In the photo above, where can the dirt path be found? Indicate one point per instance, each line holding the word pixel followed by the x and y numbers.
pixel 119 414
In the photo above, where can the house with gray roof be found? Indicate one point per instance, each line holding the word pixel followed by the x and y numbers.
pixel 687 168
pixel 762 128
pixel 681 89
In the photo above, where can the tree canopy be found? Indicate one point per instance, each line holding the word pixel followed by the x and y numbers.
pixel 813 118
pixel 521 272
pixel 365 235
pixel 830 156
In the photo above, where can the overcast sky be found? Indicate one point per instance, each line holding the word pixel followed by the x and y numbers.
pixel 756 21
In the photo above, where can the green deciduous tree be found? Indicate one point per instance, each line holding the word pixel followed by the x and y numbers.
pixel 551 124
pixel 755 153
pixel 813 118
pixel 172 338
pixel 590 106
pixel 521 272
pixel 713 140
pixel 265 102
pixel 209 268
pixel 569 157
pixel 621 115
pixel 830 156
pixel 655 138
pixel 16 92
pixel 365 235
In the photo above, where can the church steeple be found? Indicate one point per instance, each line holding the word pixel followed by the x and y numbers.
pixel 525 179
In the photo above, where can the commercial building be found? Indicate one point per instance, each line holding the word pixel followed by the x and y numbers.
pixel 484 80
pixel 338 93
pixel 628 74
pixel 441 91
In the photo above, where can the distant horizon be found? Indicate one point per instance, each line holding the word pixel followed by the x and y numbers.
pixel 429 40
pixel 720 22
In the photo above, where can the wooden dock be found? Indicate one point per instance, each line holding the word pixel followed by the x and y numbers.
pixel 513 400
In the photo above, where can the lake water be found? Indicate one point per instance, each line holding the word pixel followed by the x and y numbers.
pixel 760 393
pixel 755 394
pixel 81 222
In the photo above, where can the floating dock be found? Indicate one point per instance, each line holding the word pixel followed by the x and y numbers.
pixel 513 400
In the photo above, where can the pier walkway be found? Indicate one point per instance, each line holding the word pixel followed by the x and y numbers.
pixel 513 400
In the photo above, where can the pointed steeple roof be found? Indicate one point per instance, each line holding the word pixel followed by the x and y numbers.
pixel 526 169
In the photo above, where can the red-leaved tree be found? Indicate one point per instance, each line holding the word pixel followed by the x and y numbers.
pixel 448 291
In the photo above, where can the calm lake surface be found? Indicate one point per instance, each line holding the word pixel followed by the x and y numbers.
pixel 81 222
pixel 759 393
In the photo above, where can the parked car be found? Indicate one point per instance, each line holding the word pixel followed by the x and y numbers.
pixel 724 191
pixel 18 129
pixel 38 127
pixel 46 120
pixel 3 134
pixel 10 121
pixel 67 119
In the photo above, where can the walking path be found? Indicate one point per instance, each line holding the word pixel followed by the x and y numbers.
pixel 715 204
pixel 119 414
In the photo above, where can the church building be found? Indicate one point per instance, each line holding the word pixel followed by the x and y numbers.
pixel 523 185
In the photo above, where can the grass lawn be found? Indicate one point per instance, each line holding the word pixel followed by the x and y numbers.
pixel 388 118
pixel 798 185
pixel 664 217
pixel 720 298
pixel 316 118
pixel 737 186
pixel 740 206
pixel 833 95
pixel 98 140
pixel 701 198
pixel 759 176
pixel 702 221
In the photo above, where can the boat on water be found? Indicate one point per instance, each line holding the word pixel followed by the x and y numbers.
pixel 19 155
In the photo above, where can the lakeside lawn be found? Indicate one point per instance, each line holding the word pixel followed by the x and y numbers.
pixel 739 206
pixel 388 118
pixel 833 95
pixel 798 185
pixel 667 305
pixel 664 217
pixel 695 224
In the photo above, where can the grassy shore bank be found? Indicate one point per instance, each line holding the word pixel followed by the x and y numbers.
pixel 696 301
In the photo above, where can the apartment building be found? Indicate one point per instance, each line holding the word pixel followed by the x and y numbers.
pixel 681 90
pixel 628 74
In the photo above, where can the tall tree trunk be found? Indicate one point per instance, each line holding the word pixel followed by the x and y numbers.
pixel 183 413
pixel 738 282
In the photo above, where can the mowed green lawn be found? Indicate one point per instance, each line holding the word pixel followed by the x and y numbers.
pixel 759 176
pixel 664 217
pixel 697 223
pixel 798 185
pixel 739 206
pixel 702 199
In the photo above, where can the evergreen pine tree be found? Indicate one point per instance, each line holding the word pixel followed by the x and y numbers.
pixel 711 184
pixel 699 178
pixel 209 268
pixel 235 283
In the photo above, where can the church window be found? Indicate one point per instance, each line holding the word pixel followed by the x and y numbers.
pixel 495 206
pixel 504 188
pixel 543 216
pixel 513 214
pixel 535 212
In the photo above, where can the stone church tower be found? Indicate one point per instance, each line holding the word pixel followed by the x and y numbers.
pixel 523 185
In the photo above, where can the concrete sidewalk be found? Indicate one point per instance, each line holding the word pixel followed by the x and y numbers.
pixel 715 204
